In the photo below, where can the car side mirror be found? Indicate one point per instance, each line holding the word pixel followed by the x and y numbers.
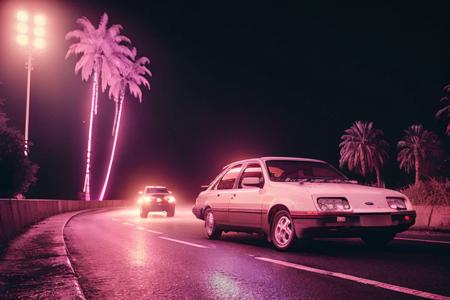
pixel 204 187
pixel 251 182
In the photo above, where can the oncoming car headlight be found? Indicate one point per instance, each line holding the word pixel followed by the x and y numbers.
pixel 396 203
pixel 333 204
pixel 170 199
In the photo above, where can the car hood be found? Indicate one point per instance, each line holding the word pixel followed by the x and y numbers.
pixel 348 189
pixel 361 198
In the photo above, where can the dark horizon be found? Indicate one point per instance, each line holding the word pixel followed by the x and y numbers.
pixel 230 82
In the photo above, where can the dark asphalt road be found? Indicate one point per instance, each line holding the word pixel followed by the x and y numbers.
pixel 118 255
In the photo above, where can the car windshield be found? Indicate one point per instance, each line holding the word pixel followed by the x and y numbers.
pixel 156 190
pixel 297 170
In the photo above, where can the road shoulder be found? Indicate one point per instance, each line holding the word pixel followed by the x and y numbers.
pixel 36 264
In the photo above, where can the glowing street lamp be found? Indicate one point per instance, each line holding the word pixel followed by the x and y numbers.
pixel 30 35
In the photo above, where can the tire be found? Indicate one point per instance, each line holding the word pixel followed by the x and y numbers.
pixel 211 229
pixel 378 240
pixel 171 212
pixel 282 231
pixel 143 213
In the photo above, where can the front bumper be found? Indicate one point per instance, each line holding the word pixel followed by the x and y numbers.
pixel 351 224
pixel 198 212
pixel 154 206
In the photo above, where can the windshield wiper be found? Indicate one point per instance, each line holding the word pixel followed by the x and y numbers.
pixel 321 179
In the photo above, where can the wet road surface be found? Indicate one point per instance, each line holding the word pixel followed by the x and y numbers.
pixel 119 255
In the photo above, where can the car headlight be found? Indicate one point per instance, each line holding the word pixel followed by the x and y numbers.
pixel 170 199
pixel 396 203
pixel 333 204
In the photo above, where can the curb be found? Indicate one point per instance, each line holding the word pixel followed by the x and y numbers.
pixel 78 288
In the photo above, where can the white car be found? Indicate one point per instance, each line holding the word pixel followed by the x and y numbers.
pixel 288 198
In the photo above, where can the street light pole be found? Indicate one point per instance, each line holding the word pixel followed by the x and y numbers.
pixel 31 37
pixel 27 112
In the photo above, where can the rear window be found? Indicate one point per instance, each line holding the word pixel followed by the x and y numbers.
pixel 153 190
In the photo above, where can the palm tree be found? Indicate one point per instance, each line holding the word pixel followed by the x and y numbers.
pixel 131 75
pixel 417 145
pixel 446 109
pixel 363 149
pixel 102 51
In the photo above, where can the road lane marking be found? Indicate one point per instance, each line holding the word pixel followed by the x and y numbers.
pixel 140 228
pixel 153 231
pixel 182 242
pixel 128 224
pixel 115 220
pixel 422 240
pixel 375 283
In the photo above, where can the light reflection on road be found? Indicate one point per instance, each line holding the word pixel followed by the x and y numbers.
pixel 225 287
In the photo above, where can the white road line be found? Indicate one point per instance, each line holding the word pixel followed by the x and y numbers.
pixel 116 220
pixel 153 231
pixel 421 240
pixel 126 223
pixel 182 242
pixel 140 228
pixel 379 284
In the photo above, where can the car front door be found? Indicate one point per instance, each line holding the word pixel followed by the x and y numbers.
pixel 245 207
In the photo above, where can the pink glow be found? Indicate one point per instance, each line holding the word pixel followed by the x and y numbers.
pixel 86 187
pixel 111 159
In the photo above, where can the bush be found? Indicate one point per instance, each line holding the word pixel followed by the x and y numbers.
pixel 17 172
pixel 431 192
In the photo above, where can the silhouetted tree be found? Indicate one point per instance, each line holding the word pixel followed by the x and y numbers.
pixel 363 149
pixel 17 172
pixel 445 111
pixel 417 146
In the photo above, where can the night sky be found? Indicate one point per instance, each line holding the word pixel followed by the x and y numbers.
pixel 231 80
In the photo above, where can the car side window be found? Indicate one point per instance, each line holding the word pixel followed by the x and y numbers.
pixel 228 180
pixel 252 170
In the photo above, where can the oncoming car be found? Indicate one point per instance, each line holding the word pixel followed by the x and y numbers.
pixel 291 198
pixel 154 199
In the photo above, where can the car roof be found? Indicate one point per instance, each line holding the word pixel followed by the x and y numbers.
pixel 155 187
pixel 266 158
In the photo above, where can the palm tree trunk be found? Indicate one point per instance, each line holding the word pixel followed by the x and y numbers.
pixel 377 172
pixel 116 112
pixel 96 100
pixel 87 185
pixel 113 151
pixel 417 166
pixel 363 161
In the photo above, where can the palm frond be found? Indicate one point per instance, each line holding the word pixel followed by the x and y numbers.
pixel 86 24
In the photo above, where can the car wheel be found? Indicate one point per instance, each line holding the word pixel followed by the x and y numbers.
pixel 212 231
pixel 378 240
pixel 143 213
pixel 171 212
pixel 282 231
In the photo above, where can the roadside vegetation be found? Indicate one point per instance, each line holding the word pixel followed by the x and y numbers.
pixel 363 150
pixel 17 172
pixel 430 192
